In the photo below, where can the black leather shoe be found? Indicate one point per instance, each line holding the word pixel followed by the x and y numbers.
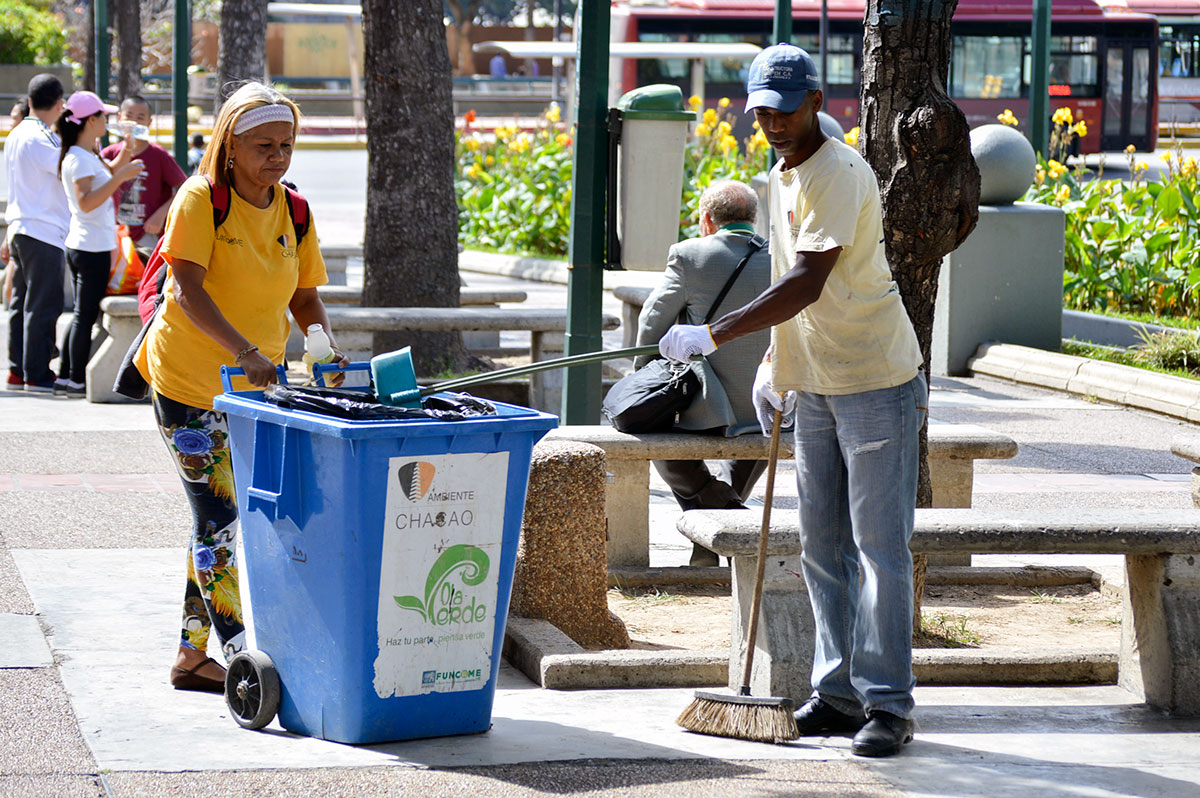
pixel 817 717
pixel 883 735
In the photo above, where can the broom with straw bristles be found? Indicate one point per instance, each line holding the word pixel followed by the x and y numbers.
pixel 745 716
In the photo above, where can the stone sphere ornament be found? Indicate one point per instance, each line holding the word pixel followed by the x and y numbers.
pixel 830 126
pixel 1006 163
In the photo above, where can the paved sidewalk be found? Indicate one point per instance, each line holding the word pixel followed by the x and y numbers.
pixel 92 529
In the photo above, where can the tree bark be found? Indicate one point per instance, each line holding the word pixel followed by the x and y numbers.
pixel 129 48
pixel 917 141
pixel 242 48
pixel 410 250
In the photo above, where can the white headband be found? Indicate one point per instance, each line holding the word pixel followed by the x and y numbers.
pixel 261 116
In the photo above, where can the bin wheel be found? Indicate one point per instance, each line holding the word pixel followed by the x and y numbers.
pixel 252 689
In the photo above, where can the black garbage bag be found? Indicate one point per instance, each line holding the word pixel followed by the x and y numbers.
pixel 360 406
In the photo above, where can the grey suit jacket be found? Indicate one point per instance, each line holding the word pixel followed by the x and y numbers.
pixel 696 271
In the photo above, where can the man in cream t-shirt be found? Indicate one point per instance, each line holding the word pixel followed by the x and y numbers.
pixel 844 356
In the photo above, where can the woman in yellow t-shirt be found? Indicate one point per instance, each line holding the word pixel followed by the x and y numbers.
pixel 226 301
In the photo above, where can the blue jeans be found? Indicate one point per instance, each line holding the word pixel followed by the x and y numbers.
pixel 857 458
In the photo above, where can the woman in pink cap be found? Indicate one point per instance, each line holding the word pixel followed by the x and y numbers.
pixel 92 234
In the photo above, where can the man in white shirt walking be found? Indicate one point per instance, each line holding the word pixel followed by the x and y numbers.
pixel 37 217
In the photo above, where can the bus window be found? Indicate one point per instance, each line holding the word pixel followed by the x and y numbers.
pixel 843 71
pixel 986 67
pixel 662 70
pixel 1139 92
pixel 727 70
pixel 1074 75
pixel 1114 91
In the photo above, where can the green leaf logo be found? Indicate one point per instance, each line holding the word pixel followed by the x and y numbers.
pixel 441 598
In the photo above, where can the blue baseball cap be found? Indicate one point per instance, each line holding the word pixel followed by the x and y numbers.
pixel 780 77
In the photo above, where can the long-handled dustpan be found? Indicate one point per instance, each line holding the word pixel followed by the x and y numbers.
pixel 396 380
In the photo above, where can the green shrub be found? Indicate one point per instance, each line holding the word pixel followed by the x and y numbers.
pixel 1172 351
pixel 30 35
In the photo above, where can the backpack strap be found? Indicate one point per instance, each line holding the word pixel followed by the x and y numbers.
pixel 220 196
pixel 298 210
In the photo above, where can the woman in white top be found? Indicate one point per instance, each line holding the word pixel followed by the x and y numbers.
pixel 92 235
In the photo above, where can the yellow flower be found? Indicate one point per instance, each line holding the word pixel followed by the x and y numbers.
pixel 1188 167
pixel 1062 194
pixel 851 138
pixel 1131 149
pixel 1008 118
pixel 710 117
pixel 472 144
pixel 504 133
pixel 471 172
pixel 755 125
pixel 489 161
pixel 520 143
pixel 1039 176
pixel 1056 170
pixel 1080 128
pixel 1139 168
pixel 563 140
pixel 723 103
pixel 695 102
pixel 1166 156
pixel 553 113
pixel 703 130
pixel 724 128
pixel 1063 116
pixel 729 145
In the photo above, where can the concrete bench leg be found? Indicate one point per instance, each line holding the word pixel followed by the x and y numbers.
pixel 952 482
pixel 1160 632
pixel 784 648
pixel 628 509
pixel 103 366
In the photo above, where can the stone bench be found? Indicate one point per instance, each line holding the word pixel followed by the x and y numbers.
pixel 632 298
pixel 1160 633
pixel 120 320
pixel 953 449
pixel 1189 449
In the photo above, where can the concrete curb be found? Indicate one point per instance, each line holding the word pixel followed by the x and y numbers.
pixel 1147 390
pixel 556 662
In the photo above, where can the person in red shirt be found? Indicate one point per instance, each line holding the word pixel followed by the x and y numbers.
pixel 142 203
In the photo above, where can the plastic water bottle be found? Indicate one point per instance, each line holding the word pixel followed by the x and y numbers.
pixel 121 129
pixel 316 345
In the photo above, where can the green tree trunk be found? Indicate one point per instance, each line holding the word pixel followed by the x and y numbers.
pixel 917 141
pixel 410 249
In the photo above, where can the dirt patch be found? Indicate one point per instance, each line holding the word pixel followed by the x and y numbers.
pixel 960 616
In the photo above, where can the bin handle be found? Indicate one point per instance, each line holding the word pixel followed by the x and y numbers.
pixel 319 370
pixel 275 491
pixel 229 372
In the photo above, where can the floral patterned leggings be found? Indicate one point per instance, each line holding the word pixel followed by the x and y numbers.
pixel 198 439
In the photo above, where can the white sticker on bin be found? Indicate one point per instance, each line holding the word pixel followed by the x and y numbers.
pixel 439 573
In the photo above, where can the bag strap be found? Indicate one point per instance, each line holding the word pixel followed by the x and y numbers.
pixel 757 242
pixel 298 210
pixel 220 201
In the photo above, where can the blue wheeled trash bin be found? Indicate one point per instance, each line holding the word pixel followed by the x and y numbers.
pixel 379 558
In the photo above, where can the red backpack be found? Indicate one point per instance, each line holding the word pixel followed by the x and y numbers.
pixel 155 276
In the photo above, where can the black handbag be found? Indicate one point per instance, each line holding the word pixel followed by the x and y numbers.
pixel 652 398
pixel 129 381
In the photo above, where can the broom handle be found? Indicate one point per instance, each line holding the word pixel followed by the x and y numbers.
pixel 756 602
pixel 543 365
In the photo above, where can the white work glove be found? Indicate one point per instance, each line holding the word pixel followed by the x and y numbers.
pixel 767 400
pixel 685 340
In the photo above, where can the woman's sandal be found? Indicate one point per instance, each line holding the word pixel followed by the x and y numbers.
pixel 189 679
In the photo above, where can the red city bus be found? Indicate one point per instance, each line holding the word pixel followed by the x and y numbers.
pixel 1103 63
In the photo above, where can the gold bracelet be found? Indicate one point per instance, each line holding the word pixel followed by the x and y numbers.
pixel 243 353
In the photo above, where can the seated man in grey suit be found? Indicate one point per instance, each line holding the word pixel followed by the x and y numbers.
pixel 696 271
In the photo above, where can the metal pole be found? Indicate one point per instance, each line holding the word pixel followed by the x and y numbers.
pixel 555 88
pixel 782 32
pixel 103 49
pixel 823 43
pixel 1039 85
pixel 585 280
pixel 181 59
